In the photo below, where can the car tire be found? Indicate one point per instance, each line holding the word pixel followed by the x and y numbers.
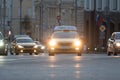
pixel 109 53
pixel 11 52
pixel 79 54
pixel 36 53
pixel 30 53
pixel 17 53
pixel 115 54
pixel 51 54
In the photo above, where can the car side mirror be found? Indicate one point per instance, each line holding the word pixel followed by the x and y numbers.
pixel 111 40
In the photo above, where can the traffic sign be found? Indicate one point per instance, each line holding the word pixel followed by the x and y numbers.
pixel 102 28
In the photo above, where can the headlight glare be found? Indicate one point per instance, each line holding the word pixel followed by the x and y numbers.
pixel 19 46
pixel 43 47
pixel 77 43
pixel 52 43
pixel 1 43
pixel 36 46
pixel 118 44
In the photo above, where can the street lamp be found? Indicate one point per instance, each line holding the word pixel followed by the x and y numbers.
pixel 59 14
pixel 107 15
pixel 21 16
pixel 4 16
pixel 76 13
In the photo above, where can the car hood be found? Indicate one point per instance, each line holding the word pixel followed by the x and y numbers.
pixel 24 44
pixel 65 40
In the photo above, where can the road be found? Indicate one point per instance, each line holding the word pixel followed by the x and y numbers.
pixel 60 67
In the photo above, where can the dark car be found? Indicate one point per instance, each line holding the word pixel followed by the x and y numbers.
pixel 24 45
pixel 41 47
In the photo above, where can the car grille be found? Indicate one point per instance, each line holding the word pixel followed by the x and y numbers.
pixel 65 44
pixel 28 46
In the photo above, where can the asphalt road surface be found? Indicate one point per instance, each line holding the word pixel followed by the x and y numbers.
pixel 60 67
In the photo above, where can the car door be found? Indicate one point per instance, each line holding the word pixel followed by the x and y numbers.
pixel 112 40
pixel 13 45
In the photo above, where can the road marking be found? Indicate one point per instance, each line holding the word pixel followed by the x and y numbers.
pixel 4 60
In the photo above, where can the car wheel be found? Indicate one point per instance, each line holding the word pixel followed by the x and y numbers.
pixel 115 54
pixel 36 53
pixel 79 54
pixel 11 52
pixel 109 53
pixel 30 53
pixel 51 54
pixel 17 53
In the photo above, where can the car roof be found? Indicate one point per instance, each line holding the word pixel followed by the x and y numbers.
pixel 16 36
pixel 23 38
pixel 64 27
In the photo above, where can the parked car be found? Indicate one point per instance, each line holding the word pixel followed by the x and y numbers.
pixel 41 47
pixel 24 45
pixel 113 44
pixel 3 45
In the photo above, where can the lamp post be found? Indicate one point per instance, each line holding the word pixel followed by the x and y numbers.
pixel 107 14
pixel 4 16
pixel 21 16
pixel 59 12
pixel 76 13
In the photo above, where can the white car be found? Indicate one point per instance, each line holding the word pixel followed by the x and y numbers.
pixel 65 42
pixel 113 44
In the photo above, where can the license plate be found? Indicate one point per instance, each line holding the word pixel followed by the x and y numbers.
pixel 65 47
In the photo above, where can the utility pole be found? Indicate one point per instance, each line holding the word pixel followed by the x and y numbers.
pixel 4 16
pixel 76 13
pixel 41 20
pixel 59 17
pixel 21 16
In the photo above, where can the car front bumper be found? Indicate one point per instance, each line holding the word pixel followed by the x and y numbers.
pixel 26 50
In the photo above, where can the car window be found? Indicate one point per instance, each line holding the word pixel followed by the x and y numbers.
pixel 24 41
pixel 65 35
pixel 117 36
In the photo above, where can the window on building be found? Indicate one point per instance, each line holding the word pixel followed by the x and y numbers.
pixel 114 4
pixel 99 4
pixel 87 4
pixel 107 3
pixel 29 12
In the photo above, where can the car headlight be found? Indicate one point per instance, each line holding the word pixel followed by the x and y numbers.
pixel 19 46
pixel 36 46
pixel 42 47
pixel 1 42
pixel 77 43
pixel 118 44
pixel 52 43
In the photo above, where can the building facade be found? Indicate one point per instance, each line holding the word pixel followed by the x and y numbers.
pixel 50 13
pixel 108 12
pixel 12 14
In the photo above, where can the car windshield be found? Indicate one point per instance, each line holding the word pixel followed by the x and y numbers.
pixel 24 41
pixel 37 42
pixel 69 34
pixel 117 36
